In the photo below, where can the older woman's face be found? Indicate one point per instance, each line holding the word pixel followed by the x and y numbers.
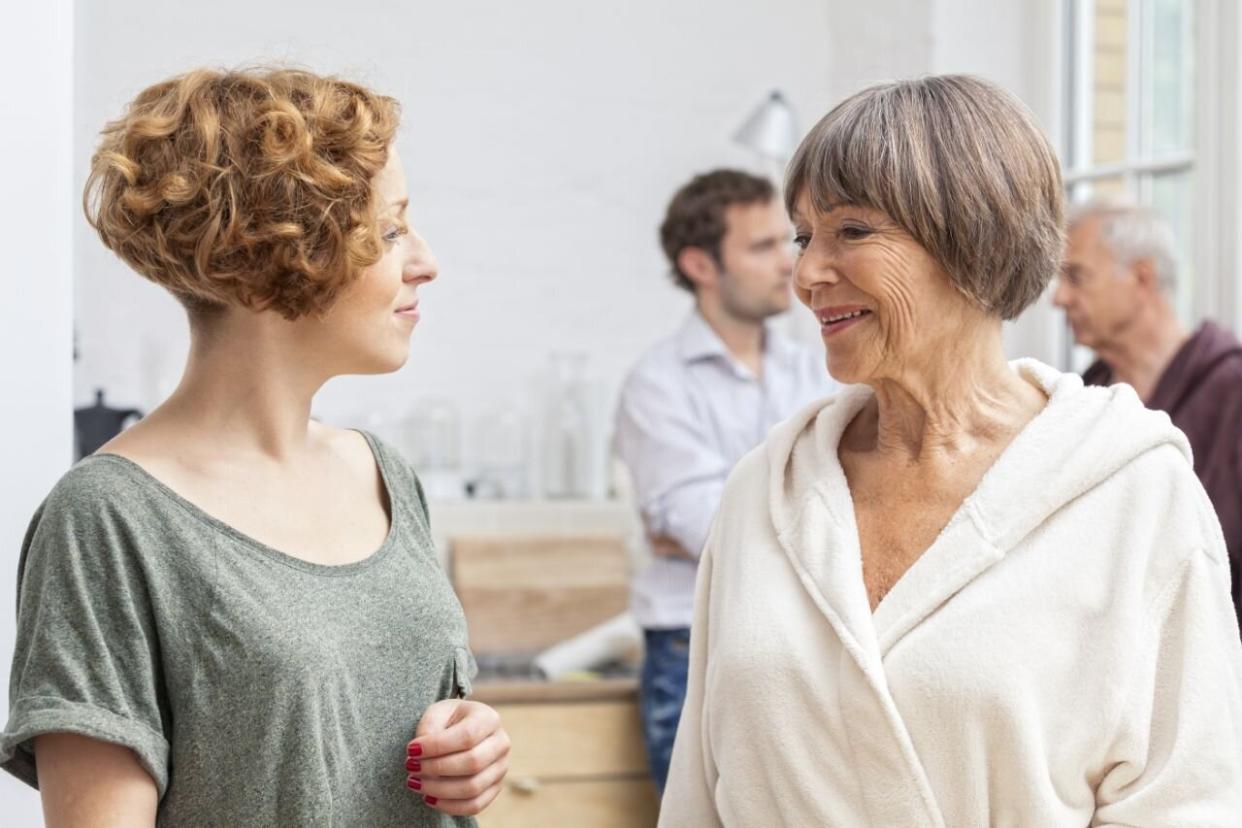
pixel 884 305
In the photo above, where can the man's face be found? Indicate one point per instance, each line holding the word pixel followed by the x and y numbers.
pixel 1100 296
pixel 756 261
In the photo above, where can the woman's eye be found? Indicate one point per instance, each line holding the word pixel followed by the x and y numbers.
pixel 854 233
pixel 393 234
pixel 801 240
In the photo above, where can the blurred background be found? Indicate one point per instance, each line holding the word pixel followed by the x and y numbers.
pixel 543 140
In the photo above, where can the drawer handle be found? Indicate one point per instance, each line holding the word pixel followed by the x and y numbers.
pixel 526 785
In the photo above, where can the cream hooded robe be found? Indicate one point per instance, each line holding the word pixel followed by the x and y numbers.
pixel 1064 654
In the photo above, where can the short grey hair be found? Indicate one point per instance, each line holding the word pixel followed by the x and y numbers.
pixel 1132 233
pixel 961 166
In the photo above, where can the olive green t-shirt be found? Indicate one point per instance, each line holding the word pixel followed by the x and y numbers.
pixel 256 688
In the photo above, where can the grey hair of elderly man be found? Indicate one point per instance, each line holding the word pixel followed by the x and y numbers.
pixel 1133 233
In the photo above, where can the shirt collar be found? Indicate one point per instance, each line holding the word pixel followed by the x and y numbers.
pixel 696 341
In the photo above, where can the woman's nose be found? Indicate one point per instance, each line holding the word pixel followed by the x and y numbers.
pixel 422 265
pixel 813 268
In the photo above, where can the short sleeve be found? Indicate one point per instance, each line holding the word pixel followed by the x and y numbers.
pixel 86 660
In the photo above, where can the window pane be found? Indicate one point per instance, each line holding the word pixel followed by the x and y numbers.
pixel 1114 186
pixel 1109 128
pixel 1167 78
pixel 1171 198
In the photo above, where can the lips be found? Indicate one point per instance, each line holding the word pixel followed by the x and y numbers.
pixel 840 313
pixel 839 317
pixel 408 311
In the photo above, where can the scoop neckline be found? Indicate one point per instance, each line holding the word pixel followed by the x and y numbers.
pixel 251 543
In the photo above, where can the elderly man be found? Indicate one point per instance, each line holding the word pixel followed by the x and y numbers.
pixel 699 400
pixel 1116 287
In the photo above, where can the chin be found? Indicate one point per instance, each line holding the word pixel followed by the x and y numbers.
pixel 383 362
pixel 852 369
pixel 843 371
pixel 1085 340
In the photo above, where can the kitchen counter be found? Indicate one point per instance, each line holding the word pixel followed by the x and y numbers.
pixel 511 691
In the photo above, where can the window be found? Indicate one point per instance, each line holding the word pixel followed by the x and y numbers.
pixel 1129 126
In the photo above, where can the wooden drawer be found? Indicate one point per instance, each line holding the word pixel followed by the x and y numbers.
pixel 574 739
pixel 617 803
pixel 574 764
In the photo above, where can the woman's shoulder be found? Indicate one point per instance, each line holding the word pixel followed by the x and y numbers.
pixel 97 486
pixel 101 517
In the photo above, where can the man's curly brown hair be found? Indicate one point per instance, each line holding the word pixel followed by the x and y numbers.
pixel 251 187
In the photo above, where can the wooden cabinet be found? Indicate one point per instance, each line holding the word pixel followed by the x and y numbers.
pixel 577 760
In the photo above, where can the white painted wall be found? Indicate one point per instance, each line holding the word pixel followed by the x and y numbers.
pixel 1017 46
pixel 543 140
pixel 36 351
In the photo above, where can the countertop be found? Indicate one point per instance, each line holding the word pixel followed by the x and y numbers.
pixel 519 691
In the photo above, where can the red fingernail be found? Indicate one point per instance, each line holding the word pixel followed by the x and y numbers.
pixel 414 784
pixel 415 749
pixel 413 765
pixel 430 800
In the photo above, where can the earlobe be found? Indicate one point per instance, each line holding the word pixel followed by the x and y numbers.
pixel 1145 274
pixel 698 265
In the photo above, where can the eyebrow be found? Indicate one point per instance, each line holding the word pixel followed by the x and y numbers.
pixel 403 204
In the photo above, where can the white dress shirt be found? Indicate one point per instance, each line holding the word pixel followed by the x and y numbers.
pixel 687 412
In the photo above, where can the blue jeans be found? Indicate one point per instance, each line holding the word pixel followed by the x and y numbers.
pixel 662 692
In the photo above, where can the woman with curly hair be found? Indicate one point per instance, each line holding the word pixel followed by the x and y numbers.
pixel 232 614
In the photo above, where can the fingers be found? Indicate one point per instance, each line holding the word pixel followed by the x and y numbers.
pixel 464 786
pixel 439 717
pixel 464 807
pixel 443 731
pixel 465 763
pixel 465 782
pixel 666 547
pixel 669 549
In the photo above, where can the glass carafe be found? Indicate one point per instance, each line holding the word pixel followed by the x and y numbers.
pixel 567 429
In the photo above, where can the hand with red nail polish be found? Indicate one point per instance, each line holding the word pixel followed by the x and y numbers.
pixel 459 757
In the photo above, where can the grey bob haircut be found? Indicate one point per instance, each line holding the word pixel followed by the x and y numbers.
pixel 960 165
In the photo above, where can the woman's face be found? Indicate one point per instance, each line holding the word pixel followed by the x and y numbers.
pixel 369 326
pixel 884 305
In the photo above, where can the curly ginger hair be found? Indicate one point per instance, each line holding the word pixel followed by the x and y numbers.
pixel 249 188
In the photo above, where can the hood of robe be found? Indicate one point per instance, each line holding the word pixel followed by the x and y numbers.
pixel 1081 437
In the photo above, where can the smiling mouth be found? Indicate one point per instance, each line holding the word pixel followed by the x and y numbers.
pixel 832 322
pixel 841 317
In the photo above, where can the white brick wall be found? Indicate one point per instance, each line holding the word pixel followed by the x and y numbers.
pixel 542 141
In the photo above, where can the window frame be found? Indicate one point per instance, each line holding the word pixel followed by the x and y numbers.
pixel 1211 157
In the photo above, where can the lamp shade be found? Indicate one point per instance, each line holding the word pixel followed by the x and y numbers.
pixel 771 130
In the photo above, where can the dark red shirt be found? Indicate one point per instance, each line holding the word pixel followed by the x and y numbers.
pixel 1201 390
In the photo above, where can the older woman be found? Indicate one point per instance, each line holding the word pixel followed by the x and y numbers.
pixel 234 615
pixel 964 592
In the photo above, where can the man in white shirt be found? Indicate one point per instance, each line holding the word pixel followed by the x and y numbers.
pixel 698 401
